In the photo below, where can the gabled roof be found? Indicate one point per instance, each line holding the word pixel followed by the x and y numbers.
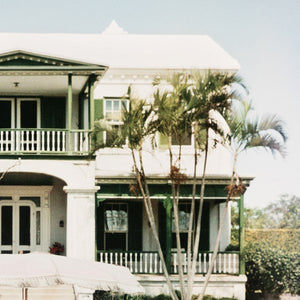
pixel 116 49
pixel 19 60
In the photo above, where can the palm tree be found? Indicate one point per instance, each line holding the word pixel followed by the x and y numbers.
pixel 173 121
pixel 212 92
pixel 138 124
pixel 247 132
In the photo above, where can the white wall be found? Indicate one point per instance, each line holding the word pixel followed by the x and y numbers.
pixel 58 212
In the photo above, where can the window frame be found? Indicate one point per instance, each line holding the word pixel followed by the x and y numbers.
pixel 113 122
pixel 106 231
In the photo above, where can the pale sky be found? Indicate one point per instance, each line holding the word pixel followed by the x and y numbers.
pixel 263 35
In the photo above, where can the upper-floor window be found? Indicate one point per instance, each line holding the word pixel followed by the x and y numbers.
pixel 113 109
pixel 113 114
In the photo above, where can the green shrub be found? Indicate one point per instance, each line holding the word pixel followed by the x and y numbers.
pixel 271 270
pixel 108 296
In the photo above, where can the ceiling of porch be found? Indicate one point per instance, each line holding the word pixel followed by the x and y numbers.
pixel 39 85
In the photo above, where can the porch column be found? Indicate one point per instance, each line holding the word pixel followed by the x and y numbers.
pixel 92 80
pixel 70 100
pixel 80 242
pixel 241 234
pixel 168 254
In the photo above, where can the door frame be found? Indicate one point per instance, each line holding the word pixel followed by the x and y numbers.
pixel 38 110
pixel 43 192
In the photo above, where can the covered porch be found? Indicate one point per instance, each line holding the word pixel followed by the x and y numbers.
pixel 46 104
pixel 124 235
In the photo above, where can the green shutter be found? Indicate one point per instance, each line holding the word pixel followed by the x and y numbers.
pixel 163 141
pixel 99 109
pixel 135 226
pixel 53 112
pixel 162 225
pixel 100 226
pixel 99 139
pixel 204 237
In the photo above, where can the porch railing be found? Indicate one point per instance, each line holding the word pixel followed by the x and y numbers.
pixel 148 262
pixel 44 141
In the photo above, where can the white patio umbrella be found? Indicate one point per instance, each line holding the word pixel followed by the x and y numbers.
pixel 44 269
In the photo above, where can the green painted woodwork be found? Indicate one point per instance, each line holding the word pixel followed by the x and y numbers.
pixel 91 102
pixel 163 141
pixel 22 62
pixel 161 190
pixel 99 109
pixel 168 209
pixel 53 112
pixel 241 234
pixel 100 226
pixel 98 116
pixel 24 58
pixel 69 127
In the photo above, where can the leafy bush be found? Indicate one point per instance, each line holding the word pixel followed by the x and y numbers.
pixel 108 296
pixel 272 270
pixel 288 239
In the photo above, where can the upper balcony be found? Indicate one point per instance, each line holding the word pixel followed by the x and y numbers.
pixel 46 104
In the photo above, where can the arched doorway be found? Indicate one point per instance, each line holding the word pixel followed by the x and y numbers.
pixel 31 207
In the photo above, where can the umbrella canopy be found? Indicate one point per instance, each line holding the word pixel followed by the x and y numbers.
pixel 44 269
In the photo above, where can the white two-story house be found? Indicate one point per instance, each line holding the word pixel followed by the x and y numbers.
pixel 52 89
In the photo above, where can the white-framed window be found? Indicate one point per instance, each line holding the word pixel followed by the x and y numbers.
pixel 116 226
pixel 113 108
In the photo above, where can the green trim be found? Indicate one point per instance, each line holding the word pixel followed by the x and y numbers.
pixel 168 209
pixel 45 60
pixel 54 156
pixel 92 101
pixel 69 109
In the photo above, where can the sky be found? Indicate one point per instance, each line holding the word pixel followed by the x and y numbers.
pixel 263 35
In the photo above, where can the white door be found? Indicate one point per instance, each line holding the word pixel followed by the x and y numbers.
pixel 18 226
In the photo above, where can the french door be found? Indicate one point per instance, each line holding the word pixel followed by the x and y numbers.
pixel 20 226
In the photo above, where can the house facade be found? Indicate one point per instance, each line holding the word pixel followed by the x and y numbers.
pixel 52 89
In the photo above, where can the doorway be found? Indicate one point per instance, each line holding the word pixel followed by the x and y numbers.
pixel 24 219
pixel 18 233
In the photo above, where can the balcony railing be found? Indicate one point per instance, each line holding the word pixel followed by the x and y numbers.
pixel 148 262
pixel 44 141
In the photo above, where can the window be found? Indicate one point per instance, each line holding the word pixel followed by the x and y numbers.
pixel 113 114
pixel 113 109
pixel 116 226
pixel 184 210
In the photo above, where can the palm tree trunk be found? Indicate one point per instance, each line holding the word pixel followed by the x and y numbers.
pixel 176 221
pixel 192 213
pixel 149 211
pixel 209 272
pixel 198 226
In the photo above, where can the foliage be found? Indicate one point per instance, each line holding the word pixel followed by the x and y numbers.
pixel 280 239
pixel 57 248
pixel 272 270
pixel 284 213
pixel 108 296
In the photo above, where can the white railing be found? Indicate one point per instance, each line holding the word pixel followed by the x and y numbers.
pixel 146 262
pixel 44 141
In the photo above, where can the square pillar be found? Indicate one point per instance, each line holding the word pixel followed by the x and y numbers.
pixel 80 240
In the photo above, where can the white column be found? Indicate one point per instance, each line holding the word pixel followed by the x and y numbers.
pixel 80 223
pixel 225 239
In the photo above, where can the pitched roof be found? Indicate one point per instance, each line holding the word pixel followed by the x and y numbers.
pixel 117 49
